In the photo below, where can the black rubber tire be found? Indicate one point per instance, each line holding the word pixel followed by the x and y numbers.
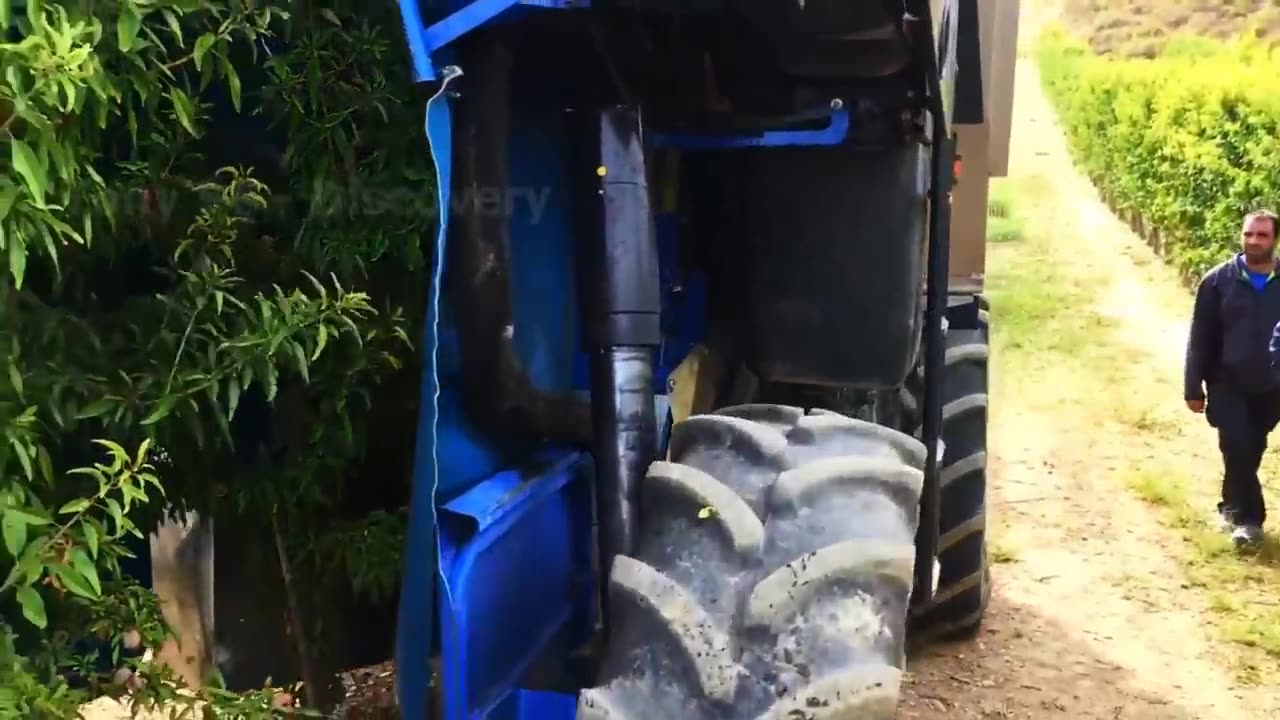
pixel 964 583
pixel 772 573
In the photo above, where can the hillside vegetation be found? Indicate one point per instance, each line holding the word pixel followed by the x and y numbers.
pixel 1143 27
pixel 1187 140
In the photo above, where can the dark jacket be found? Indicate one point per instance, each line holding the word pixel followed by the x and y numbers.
pixel 1232 329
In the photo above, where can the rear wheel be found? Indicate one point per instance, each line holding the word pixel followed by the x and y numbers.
pixel 772 574
pixel 964 583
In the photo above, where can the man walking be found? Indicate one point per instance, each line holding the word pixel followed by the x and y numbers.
pixel 1229 351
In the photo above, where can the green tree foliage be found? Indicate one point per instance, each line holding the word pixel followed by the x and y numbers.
pixel 1190 140
pixel 200 201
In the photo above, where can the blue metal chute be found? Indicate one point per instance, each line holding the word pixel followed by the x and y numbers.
pixel 417 596
pixel 448 571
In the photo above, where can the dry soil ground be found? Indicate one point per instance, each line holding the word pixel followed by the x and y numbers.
pixel 1112 598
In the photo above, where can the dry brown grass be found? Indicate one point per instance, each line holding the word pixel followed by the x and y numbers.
pixel 1142 27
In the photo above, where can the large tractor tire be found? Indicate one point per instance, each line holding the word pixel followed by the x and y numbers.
pixel 772 573
pixel 964 582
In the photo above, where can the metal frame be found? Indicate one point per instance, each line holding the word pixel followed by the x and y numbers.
pixel 836 131
pixel 942 179
pixel 424 40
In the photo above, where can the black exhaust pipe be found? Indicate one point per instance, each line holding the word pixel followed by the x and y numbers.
pixel 621 301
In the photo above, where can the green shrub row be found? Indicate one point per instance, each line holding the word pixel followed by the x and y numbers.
pixel 1190 141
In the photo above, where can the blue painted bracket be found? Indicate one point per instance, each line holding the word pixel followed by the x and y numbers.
pixel 833 134
pixel 425 39
pixel 517 552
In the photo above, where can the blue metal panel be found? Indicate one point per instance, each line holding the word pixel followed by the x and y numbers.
pixel 546 706
pixel 542 243
pixel 834 134
pixel 516 551
pixel 543 297
pixel 534 705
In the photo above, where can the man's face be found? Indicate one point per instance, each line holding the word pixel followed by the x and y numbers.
pixel 1258 239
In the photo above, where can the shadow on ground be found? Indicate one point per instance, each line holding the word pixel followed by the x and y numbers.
pixel 1024 665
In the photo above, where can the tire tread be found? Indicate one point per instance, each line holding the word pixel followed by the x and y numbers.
pixel 777 556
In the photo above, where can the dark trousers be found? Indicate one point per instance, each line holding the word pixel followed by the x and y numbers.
pixel 1243 420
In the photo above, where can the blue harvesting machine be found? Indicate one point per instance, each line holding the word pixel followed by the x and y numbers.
pixel 703 424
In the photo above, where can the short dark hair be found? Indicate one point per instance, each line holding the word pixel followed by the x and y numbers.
pixel 1268 215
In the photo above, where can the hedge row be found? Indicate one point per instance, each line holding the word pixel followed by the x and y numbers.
pixel 1190 141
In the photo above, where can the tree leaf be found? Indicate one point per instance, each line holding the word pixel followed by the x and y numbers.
pixel 117 514
pixel 8 195
pixel 15 533
pixel 141 455
pixel 17 259
pixel 27 517
pixel 81 562
pixel 26 165
pixel 127 27
pixel 96 474
pixel 183 108
pixel 23 457
pixel 95 408
pixel 233 397
pixel 46 464
pixel 174 26
pixel 74 581
pixel 32 607
pixel 74 506
pixel 162 410
pixel 233 81
pixel 272 383
pixel 203 43
pixel 91 538
pixel 116 449
pixel 320 341
pixel 300 355
pixel 6 13
pixel 15 379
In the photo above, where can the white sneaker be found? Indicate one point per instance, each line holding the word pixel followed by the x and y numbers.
pixel 1246 535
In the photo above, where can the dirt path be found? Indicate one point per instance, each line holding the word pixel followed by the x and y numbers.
pixel 1093 615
